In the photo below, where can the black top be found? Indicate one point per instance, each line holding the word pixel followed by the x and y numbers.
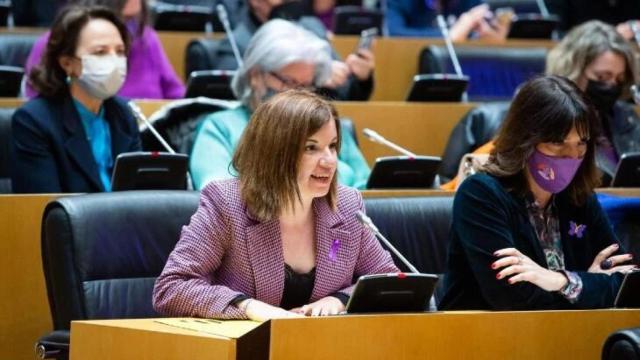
pixel 297 288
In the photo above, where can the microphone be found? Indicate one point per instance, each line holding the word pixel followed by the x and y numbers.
pixel 543 8
pixel 375 137
pixel 368 223
pixel 447 40
pixel 140 116
pixel 224 19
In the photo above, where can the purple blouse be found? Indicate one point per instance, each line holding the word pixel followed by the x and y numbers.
pixel 149 74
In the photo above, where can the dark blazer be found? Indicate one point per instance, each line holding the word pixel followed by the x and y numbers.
pixel 50 152
pixel 486 218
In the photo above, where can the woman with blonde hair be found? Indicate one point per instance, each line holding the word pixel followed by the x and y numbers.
pixel 603 65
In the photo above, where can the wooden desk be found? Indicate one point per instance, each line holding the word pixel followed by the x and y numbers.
pixel 423 128
pixel 396 58
pixel 24 314
pixel 446 335
pixel 148 339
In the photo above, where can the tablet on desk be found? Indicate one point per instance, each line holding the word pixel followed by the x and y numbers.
pixel 628 171
pixel 150 171
pixel 396 292
pixel 629 293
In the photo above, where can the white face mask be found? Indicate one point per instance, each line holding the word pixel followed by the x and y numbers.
pixel 102 76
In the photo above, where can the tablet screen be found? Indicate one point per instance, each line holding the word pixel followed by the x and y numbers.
pixel 629 293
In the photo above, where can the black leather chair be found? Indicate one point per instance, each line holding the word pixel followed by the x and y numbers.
pixel 14 51
pixel 418 227
pixel 185 17
pixel 102 252
pixel 201 54
pixel 5 149
pixel 15 48
pixel 177 123
pixel 475 129
pixel 495 73
pixel 5 7
pixel 351 20
pixel 622 345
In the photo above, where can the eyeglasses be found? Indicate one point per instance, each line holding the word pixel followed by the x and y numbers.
pixel 291 83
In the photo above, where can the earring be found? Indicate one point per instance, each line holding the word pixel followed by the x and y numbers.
pixel 68 79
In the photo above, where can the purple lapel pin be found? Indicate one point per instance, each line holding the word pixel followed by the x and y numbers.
pixel 333 251
pixel 576 230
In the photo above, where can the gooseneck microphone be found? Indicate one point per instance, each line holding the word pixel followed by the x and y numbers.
pixel 377 138
pixel 368 223
pixel 140 116
pixel 543 8
pixel 447 40
pixel 224 19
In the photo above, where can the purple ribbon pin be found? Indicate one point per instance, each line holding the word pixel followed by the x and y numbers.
pixel 576 230
pixel 333 252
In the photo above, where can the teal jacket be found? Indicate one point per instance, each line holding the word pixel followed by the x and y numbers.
pixel 219 134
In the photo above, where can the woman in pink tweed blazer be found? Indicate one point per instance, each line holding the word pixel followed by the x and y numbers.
pixel 282 239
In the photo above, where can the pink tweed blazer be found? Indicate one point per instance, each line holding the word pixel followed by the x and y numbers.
pixel 225 252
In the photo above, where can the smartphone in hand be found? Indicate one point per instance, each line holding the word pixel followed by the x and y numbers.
pixel 366 38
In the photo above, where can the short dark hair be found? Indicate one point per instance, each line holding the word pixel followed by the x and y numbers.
pixel 268 155
pixel 545 110
pixel 49 78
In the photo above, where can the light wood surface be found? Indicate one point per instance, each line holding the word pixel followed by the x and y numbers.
pixel 396 58
pixel 445 335
pixel 461 335
pixel 422 128
pixel 142 340
pixel 24 313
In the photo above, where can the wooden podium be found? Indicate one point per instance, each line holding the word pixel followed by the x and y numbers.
pixel 443 335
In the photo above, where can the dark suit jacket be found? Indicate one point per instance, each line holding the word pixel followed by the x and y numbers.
pixel 486 218
pixel 50 152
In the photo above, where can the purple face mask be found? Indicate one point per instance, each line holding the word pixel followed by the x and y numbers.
pixel 551 173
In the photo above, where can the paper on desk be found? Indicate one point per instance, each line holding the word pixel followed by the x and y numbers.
pixel 227 328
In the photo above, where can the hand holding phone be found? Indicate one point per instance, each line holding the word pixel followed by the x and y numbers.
pixel 366 38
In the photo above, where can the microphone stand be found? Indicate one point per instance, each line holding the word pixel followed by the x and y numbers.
pixel 368 223
pixel 377 138
pixel 224 19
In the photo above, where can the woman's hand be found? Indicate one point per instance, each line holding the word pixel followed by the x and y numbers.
pixel 361 64
pixel 260 311
pixel 522 268
pixel 606 264
pixel 339 74
pixel 326 306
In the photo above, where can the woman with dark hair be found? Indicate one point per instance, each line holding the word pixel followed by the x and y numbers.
pixel 528 232
pixel 282 239
pixel 66 139
pixel 150 75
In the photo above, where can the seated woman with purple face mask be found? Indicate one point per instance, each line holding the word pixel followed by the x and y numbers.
pixel 67 139
pixel 528 232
